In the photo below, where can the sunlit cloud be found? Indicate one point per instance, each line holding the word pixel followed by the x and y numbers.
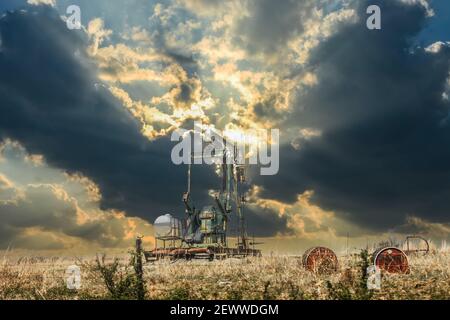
pixel 51 209
pixel 307 67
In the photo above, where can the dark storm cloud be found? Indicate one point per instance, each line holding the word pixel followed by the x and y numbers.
pixel 263 222
pixel 51 103
pixel 186 61
pixel 271 24
pixel 384 152
pixel 11 4
pixel 40 207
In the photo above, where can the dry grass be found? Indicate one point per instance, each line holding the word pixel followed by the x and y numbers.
pixel 266 278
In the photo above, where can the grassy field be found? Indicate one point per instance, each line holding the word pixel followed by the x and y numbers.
pixel 280 277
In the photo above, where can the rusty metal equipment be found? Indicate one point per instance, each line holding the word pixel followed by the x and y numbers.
pixel 320 260
pixel 391 260
pixel 416 245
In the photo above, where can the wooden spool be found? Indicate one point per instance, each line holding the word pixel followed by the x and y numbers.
pixel 392 260
pixel 320 260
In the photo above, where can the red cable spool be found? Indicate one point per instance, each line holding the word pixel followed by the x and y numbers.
pixel 320 260
pixel 392 260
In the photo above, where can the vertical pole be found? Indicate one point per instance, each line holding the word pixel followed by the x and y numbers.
pixel 189 179
pixel 346 249
pixel 140 290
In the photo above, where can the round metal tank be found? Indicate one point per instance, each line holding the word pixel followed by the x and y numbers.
pixel 167 226
pixel 391 259
pixel 320 260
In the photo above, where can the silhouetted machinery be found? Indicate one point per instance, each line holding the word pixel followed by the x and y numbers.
pixel 416 245
pixel 202 234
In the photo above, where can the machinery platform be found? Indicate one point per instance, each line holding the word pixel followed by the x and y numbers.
pixel 207 253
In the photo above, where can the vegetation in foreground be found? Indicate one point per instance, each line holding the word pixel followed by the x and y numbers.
pixel 267 278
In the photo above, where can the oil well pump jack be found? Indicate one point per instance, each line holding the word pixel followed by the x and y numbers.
pixel 203 234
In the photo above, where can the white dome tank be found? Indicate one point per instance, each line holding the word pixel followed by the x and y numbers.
pixel 167 226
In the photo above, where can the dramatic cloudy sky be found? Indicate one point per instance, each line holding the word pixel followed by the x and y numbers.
pixel 86 116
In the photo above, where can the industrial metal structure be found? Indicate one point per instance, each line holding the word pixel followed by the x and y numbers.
pixel 391 259
pixel 416 245
pixel 320 260
pixel 203 234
